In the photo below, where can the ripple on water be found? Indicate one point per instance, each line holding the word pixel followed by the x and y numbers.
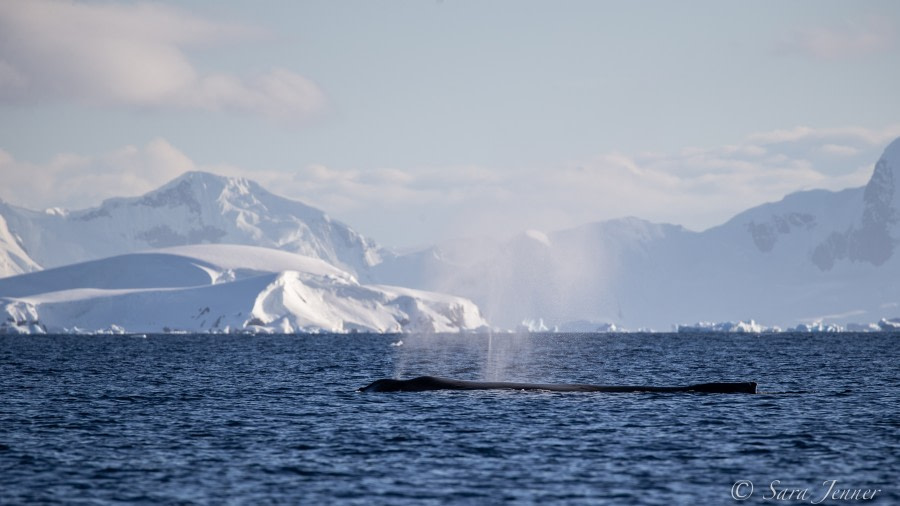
pixel 181 419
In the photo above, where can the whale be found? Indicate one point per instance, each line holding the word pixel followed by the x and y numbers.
pixel 429 383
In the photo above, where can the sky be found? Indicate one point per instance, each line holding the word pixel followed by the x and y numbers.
pixel 419 121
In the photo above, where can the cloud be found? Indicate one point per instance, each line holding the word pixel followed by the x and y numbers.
pixel 695 187
pixel 134 55
pixel 838 149
pixel 703 187
pixel 851 39
pixel 851 134
pixel 78 181
pixel 698 187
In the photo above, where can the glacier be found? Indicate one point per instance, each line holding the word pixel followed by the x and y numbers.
pixel 217 288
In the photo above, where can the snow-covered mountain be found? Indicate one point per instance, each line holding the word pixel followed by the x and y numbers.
pixel 13 259
pixel 220 288
pixel 813 256
pixel 195 208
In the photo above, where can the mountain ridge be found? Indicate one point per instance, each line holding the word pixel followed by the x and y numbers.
pixel 196 207
pixel 814 255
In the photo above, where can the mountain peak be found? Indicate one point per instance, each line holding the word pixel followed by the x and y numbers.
pixel 881 193
pixel 892 151
pixel 196 189
pixel 201 176
pixel 194 208
pixel 209 182
pixel 881 187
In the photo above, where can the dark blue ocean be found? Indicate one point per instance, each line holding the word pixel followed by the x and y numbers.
pixel 196 419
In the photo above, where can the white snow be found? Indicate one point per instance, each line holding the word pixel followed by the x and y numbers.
pixel 184 289
pixel 739 327
pixel 538 236
pixel 530 325
pixel 195 208
pixel 814 261
pixel 890 325
pixel 580 326
pixel 588 326
pixel 13 259
pixel 817 328
pixel 815 255
pixel 20 317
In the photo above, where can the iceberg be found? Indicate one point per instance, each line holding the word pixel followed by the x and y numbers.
pixel 20 317
pixel 739 327
pixel 817 327
pixel 889 325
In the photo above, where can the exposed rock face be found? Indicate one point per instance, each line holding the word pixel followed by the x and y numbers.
pixel 874 238
pixel 765 235
pixel 815 255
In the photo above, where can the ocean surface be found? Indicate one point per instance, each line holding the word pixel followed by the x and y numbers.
pixel 197 419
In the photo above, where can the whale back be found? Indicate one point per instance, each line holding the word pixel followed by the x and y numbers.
pixel 420 384
pixel 748 387
pixel 428 383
